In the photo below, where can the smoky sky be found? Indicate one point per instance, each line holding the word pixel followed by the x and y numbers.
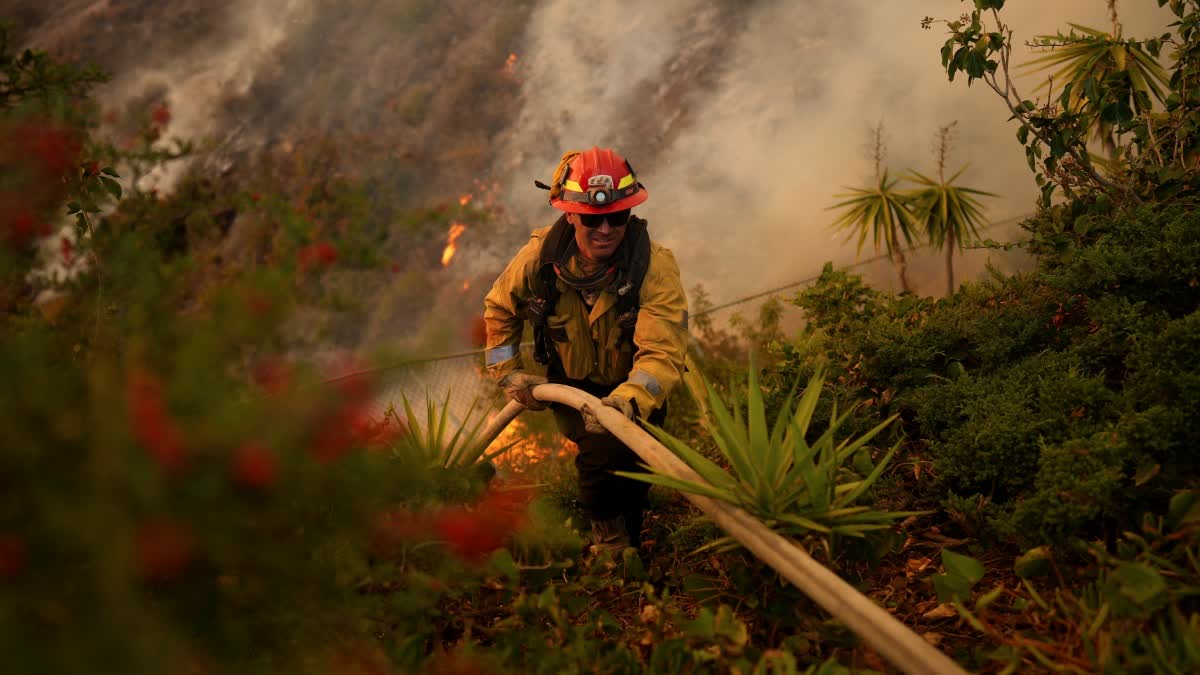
pixel 744 119
pixel 740 193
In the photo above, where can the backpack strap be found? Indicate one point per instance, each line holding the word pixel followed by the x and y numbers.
pixel 544 285
pixel 635 261
pixel 633 273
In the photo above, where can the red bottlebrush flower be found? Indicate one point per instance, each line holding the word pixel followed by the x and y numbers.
pixel 14 556
pixel 395 268
pixel 258 303
pixel 256 197
pixel 254 466
pixel 273 376
pixel 355 386
pixel 352 425
pixel 162 550
pixel 470 534
pixel 160 115
pixel 91 169
pixel 152 424
pixel 389 530
pixel 20 227
pixel 68 251
pixel 473 533
pixel 374 432
pixel 55 149
pixel 320 254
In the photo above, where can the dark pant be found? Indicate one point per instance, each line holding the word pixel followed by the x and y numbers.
pixel 602 494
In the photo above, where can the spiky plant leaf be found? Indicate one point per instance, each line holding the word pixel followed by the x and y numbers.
pixel 880 212
pixel 707 469
pixel 702 489
pixel 948 213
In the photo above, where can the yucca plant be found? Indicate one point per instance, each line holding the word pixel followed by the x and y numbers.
pixel 949 214
pixel 436 443
pixel 796 487
pixel 1091 63
pixel 883 213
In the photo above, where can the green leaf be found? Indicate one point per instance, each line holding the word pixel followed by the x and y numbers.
pixel 502 563
pixel 1032 563
pixel 112 187
pixel 988 598
pixel 950 588
pixel 701 489
pixel 806 523
pixel 109 171
pixel 728 626
pixel 1139 582
pixel 963 566
pixel 702 627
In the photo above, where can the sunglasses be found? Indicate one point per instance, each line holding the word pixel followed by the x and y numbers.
pixel 615 219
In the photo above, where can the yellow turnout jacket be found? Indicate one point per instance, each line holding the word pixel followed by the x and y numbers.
pixel 646 371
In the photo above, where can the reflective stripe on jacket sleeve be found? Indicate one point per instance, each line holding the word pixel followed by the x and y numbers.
pixel 503 307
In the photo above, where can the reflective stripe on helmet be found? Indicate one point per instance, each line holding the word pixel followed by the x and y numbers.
pixel 572 186
pixel 646 380
pixel 625 182
pixel 499 354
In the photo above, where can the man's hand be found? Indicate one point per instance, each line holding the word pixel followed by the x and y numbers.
pixel 625 405
pixel 519 386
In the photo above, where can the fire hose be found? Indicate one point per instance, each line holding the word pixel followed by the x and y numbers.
pixel 883 632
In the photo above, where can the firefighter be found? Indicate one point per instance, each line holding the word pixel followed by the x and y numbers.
pixel 609 317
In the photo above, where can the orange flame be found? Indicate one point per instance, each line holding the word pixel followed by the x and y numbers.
pixel 510 65
pixel 465 199
pixel 529 449
pixel 456 230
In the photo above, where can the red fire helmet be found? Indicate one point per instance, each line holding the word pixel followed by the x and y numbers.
pixel 595 181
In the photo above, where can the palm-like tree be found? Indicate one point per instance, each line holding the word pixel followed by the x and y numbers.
pixel 882 213
pixel 1096 61
pixel 948 213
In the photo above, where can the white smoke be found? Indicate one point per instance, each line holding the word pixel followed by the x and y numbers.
pixel 740 193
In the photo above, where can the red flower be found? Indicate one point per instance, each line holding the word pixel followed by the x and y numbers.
pixel 473 533
pixel 254 466
pixel 14 556
pixel 68 251
pixel 160 115
pixel 353 425
pixel 163 550
pixel 258 303
pixel 54 148
pixel 256 197
pixel 91 169
pixel 20 227
pixel 395 268
pixel 152 425
pixel 273 376
pixel 320 254
pixel 389 530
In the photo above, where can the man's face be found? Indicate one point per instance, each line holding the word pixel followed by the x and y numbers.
pixel 600 242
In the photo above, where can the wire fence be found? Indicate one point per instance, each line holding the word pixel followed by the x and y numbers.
pixel 459 379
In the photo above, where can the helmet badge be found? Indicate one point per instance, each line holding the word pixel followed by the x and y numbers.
pixel 600 188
